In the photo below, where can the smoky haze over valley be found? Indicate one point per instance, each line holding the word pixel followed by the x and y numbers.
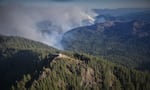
pixel 43 23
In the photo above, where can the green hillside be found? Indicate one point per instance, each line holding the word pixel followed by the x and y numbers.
pixel 21 43
pixel 30 65
pixel 126 43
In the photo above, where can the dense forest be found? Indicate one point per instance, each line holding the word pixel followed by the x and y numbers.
pixel 123 42
pixel 30 65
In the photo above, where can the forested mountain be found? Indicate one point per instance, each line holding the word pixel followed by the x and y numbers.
pixel 123 42
pixel 26 64
pixel 19 56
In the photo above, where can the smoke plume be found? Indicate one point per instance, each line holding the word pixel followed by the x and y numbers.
pixel 46 24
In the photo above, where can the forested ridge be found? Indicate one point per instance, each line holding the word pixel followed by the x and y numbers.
pixel 30 65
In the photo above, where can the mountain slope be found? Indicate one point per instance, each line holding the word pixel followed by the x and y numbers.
pixel 67 72
pixel 19 56
pixel 127 43
pixel 50 69
pixel 21 43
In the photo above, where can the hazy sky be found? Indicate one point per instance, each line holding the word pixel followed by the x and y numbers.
pixel 85 3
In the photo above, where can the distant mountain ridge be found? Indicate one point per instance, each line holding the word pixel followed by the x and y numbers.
pixel 120 11
pixel 122 14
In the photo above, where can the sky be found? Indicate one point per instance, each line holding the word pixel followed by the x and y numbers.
pixel 85 3
pixel 24 18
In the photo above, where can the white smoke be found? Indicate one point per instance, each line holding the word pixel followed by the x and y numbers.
pixel 23 21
